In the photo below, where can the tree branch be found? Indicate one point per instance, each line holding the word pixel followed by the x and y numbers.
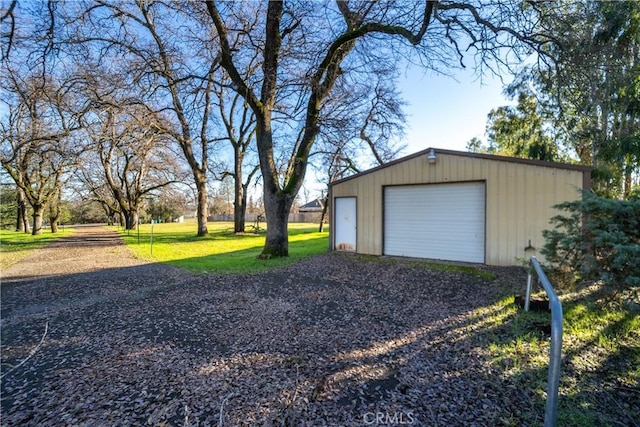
pixel 226 59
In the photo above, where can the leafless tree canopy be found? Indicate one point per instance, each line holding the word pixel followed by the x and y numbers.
pixel 42 112
pixel 310 49
pixel 291 81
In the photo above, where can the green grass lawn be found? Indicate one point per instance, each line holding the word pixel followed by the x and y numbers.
pixel 221 251
pixel 600 373
pixel 15 245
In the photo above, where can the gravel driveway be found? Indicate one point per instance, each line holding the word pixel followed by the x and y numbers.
pixel 335 340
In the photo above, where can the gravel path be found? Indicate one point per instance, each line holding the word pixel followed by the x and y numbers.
pixel 93 337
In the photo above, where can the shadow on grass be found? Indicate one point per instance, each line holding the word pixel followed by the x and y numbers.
pixel 14 241
pixel 222 251
pixel 605 363
pixel 131 236
pixel 600 373
pixel 247 261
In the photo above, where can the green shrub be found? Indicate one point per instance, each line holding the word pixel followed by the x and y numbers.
pixel 597 239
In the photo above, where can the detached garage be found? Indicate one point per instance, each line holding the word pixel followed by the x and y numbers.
pixel 453 206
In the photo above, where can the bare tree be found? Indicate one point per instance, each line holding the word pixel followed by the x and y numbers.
pixel 8 23
pixel 238 129
pixel 361 126
pixel 171 67
pixel 129 144
pixel 38 137
pixel 361 123
pixel 42 113
pixel 92 187
pixel 307 47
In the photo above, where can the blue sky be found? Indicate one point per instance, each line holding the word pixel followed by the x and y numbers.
pixel 446 112
pixel 442 112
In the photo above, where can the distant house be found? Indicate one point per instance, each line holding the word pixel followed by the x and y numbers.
pixel 313 206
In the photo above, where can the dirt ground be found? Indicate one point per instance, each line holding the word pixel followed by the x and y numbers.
pixel 92 336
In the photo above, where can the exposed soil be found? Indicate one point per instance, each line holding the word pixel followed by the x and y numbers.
pixel 333 340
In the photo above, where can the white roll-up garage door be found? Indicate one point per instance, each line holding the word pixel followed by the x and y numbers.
pixel 438 221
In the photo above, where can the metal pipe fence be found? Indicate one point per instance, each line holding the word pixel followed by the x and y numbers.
pixel 555 356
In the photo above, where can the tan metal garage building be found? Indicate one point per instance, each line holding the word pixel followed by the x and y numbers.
pixel 452 205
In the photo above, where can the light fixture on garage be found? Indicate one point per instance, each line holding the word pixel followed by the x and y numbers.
pixel 432 156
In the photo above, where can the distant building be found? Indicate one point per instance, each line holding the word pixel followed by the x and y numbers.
pixel 316 205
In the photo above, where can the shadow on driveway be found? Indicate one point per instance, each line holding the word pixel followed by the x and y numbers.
pixel 333 340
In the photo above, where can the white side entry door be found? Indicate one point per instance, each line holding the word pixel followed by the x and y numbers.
pixel 345 223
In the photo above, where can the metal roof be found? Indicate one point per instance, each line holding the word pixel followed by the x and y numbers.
pixel 493 157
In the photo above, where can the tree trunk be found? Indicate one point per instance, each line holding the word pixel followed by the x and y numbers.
pixel 54 225
pixel 277 201
pixel 22 221
pixel 25 220
pixel 325 204
pixel 109 213
pixel 131 218
pixel 37 219
pixel 19 219
pixel 239 210
pixel 54 218
pixel 201 187
pixel 54 212
pixel 240 222
pixel 240 194
pixel 135 218
pixel 627 182
pixel 277 206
